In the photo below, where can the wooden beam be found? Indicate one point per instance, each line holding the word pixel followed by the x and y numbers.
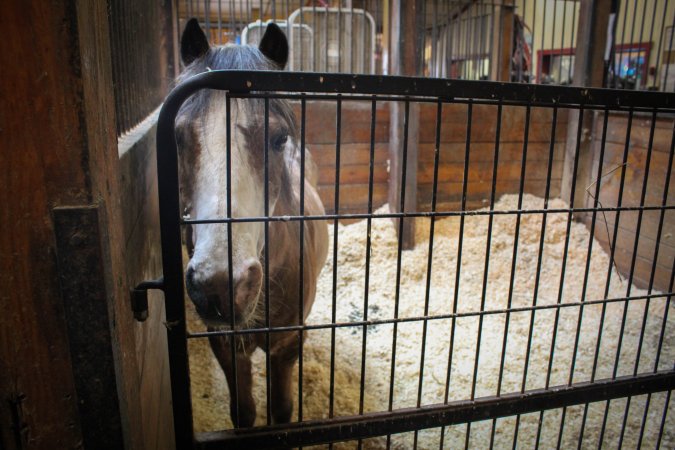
pixel 406 44
pixel 588 72
pixel 502 38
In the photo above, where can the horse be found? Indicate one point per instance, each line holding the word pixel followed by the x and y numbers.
pixel 201 134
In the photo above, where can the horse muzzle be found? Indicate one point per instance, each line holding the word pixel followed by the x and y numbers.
pixel 210 292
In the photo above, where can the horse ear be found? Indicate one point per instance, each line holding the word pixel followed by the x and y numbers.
pixel 274 45
pixel 193 43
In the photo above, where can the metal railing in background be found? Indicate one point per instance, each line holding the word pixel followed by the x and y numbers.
pixel 528 41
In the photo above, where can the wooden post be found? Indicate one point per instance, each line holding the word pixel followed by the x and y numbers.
pixel 406 42
pixel 502 38
pixel 588 72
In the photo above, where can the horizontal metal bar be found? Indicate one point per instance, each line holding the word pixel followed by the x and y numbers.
pixel 361 323
pixel 411 98
pixel 409 419
pixel 427 214
pixel 246 81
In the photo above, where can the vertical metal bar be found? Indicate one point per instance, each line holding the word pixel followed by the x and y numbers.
pixel 339 37
pixel 302 27
pixel 465 178
pixel 172 267
pixel 658 51
pixel 486 267
pixel 653 271
pixel 611 259
pixel 314 40
pixel 543 36
pixel 338 133
pixel 228 165
pixel 514 258
pixel 467 46
pixel 397 295
pixel 562 276
pixel 351 38
pixel 665 321
pixel 326 41
pixel 510 43
pixel 663 420
pixel 364 329
pixel 301 281
pixel 562 40
pixel 670 49
pixel 207 19
pixel 553 36
pixel 540 254
pixel 268 363
pixel 635 250
pixel 644 420
pixel 430 254
pixel 596 198
pixel 573 41
pixel 481 41
pixel 220 22
pixel 534 60
pixel 434 42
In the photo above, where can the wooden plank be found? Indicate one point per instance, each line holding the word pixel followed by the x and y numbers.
pixel 484 128
pixel 321 119
pixel 452 152
pixel 353 154
pixel 353 174
pixel 353 197
pixel 482 172
pixel 479 192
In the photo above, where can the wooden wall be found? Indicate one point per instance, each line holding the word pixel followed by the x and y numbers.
pixel 355 153
pixel 78 227
pixel 634 177
pixel 355 136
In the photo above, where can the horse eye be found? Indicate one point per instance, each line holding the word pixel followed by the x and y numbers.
pixel 279 141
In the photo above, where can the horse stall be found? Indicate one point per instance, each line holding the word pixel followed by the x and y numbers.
pixel 498 269
pixel 452 248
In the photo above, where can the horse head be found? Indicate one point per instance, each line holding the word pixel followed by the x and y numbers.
pixel 225 262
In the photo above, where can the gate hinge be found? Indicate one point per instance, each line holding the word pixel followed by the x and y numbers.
pixel 139 297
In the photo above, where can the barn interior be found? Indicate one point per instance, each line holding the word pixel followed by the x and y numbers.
pixel 482 250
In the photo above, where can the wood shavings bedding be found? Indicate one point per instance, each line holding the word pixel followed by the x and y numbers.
pixel 209 390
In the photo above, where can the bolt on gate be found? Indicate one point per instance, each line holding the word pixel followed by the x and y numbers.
pixel 517 319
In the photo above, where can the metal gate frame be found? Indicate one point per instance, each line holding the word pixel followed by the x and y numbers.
pixel 322 86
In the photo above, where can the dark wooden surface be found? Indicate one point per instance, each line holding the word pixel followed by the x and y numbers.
pixel 43 156
pixel 59 150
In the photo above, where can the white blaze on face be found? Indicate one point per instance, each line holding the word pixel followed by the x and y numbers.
pixel 210 196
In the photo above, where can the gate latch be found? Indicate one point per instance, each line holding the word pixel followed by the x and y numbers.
pixel 139 297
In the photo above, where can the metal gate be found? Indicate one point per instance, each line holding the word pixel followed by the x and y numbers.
pixel 594 325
